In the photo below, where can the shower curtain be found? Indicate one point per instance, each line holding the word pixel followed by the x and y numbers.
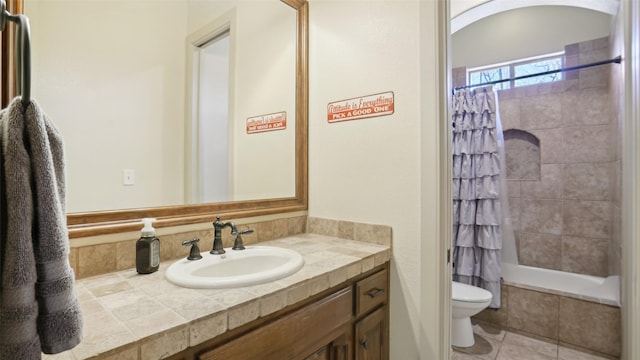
pixel 477 164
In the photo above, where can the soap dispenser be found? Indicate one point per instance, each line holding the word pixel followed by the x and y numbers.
pixel 148 249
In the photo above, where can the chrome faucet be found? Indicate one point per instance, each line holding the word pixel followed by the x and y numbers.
pixel 217 235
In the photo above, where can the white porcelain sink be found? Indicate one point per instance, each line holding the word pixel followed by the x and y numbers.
pixel 235 268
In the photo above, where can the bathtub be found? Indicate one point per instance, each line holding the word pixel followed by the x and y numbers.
pixel 584 287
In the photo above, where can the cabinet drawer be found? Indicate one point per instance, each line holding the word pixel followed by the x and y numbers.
pixel 371 292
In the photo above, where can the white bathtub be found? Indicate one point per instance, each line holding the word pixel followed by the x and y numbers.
pixel 584 287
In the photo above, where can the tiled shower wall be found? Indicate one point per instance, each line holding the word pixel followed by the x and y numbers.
pixel 561 189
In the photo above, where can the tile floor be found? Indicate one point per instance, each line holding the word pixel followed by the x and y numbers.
pixel 495 344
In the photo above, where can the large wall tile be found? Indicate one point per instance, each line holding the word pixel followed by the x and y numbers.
pixel 551 146
pixel 594 44
pixel 514 210
pixel 540 250
pixel 459 76
pixel 376 234
pixel 587 57
pixel 522 155
pixel 73 260
pixel 509 112
pixel 587 181
pixel 594 78
pixel 541 112
pixel 555 87
pixel 585 107
pixel 585 255
pixel 590 325
pixel 586 144
pixel 297 225
pixel 571 49
pixel 615 246
pixel 126 254
pixel 513 188
pixel 274 229
pixel 97 259
pixel 321 226
pixel 542 216
pixel 616 181
pixel 548 187
pixel 533 312
pixel 587 218
pixel 497 316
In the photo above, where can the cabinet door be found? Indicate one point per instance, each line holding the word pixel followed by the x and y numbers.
pixel 338 349
pixel 370 336
pixel 322 354
pixel 294 336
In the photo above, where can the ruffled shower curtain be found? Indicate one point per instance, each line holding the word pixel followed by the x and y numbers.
pixel 477 231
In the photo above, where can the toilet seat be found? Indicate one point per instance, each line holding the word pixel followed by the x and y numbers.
pixel 468 293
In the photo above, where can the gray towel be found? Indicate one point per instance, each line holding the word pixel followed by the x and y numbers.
pixel 39 310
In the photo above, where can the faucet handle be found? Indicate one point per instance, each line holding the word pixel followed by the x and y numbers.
pixel 194 253
pixel 238 245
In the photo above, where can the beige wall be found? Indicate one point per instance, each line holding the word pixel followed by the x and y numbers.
pixel 531 31
pixel 370 170
pixel 263 48
pixel 384 170
pixel 115 111
pixel 116 90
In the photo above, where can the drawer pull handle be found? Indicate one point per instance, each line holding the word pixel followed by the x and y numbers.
pixel 375 292
pixel 364 343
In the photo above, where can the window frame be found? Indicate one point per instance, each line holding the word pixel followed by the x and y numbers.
pixel 510 83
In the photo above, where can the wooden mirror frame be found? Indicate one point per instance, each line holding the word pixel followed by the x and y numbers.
pixel 116 221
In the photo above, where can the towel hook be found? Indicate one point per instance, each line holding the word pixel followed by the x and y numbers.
pixel 23 51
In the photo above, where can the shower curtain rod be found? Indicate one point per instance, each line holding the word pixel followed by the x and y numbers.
pixel 616 60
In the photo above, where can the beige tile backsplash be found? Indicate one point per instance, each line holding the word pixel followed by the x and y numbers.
pixel 376 234
pixel 99 259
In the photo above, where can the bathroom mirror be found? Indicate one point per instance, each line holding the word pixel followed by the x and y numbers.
pixel 163 156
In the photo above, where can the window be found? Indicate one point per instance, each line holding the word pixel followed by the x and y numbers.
pixel 522 67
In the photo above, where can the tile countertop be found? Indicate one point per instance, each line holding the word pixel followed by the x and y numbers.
pixel 126 314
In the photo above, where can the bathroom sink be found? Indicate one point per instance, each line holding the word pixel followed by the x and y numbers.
pixel 235 268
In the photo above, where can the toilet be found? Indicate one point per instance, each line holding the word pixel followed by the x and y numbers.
pixel 466 301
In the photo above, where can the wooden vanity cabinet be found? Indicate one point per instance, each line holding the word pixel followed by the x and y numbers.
pixel 370 335
pixel 371 329
pixel 347 322
pixel 299 335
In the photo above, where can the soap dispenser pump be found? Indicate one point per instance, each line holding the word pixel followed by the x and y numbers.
pixel 148 249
